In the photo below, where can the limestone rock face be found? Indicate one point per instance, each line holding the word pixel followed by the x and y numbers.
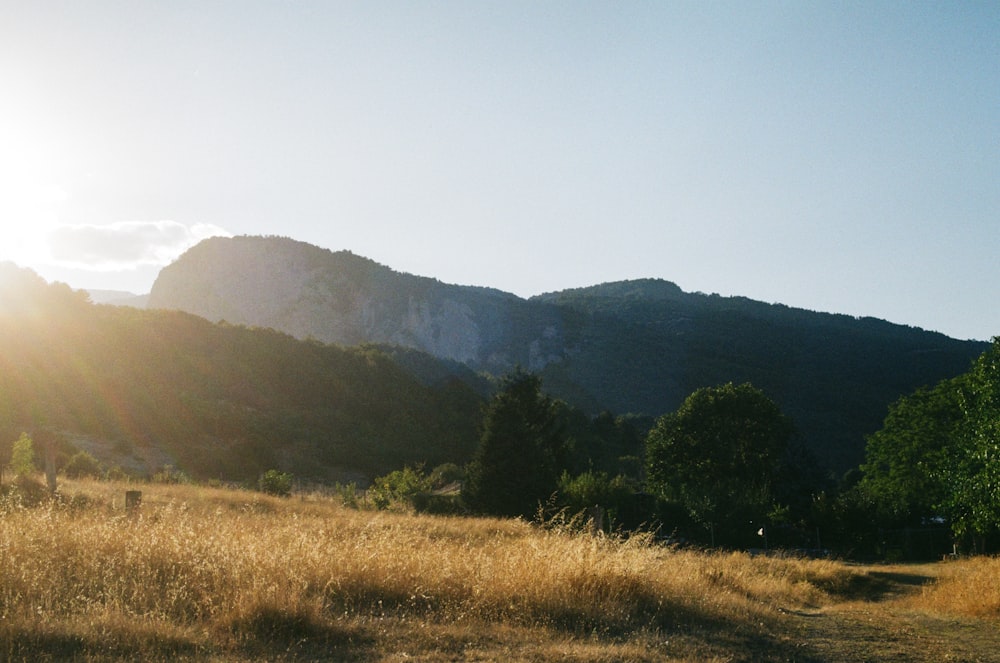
pixel 309 292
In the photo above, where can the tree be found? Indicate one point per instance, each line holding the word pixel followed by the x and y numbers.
pixel 22 458
pixel 907 461
pixel 276 482
pixel 974 468
pixel 719 455
pixel 938 454
pixel 520 453
pixel 399 487
pixel 82 464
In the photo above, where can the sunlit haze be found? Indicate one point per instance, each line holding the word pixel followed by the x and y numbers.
pixel 840 157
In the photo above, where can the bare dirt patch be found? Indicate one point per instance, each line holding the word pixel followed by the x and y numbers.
pixel 878 623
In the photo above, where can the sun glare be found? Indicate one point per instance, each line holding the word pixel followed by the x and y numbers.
pixel 30 196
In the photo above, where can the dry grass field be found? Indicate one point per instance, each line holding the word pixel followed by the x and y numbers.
pixel 207 574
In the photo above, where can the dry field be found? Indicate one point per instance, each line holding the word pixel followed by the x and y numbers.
pixel 206 574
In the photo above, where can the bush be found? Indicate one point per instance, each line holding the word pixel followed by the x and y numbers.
pixel 593 489
pixel 24 491
pixel 82 464
pixel 22 458
pixel 399 487
pixel 170 474
pixel 615 496
pixel 440 505
pixel 448 473
pixel 116 473
pixel 348 494
pixel 275 482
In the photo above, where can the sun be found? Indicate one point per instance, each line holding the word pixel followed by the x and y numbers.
pixel 31 197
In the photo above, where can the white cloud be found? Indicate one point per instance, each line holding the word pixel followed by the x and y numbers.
pixel 125 245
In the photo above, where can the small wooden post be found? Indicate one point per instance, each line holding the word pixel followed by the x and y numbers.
pixel 133 498
pixel 595 519
pixel 50 463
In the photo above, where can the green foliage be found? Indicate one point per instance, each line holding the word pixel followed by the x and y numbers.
pixel 974 470
pixel 170 474
pixel 615 498
pixel 116 473
pixel 446 474
pixel 906 462
pixel 215 397
pixel 521 451
pixel 647 346
pixel 399 487
pixel 82 464
pixel 719 456
pixel 937 455
pixel 348 494
pixel 22 458
pixel 593 489
pixel 275 482
pixel 604 443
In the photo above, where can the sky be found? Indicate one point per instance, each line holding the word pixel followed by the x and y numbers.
pixel 834 156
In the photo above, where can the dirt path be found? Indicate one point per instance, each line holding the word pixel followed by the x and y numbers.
pixel 879 626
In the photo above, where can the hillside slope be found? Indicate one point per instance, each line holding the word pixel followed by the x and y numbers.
pixel 635 346
pixel 219 401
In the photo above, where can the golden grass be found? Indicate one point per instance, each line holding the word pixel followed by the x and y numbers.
pixel 212 574
pixel 966 587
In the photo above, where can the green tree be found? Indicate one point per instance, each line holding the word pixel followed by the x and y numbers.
pixel 276 482
pixel 719 456
pixel 615 496
pixel 399 487
pixel 22 457
pixel 82 464
pixel 906 468
pixel 521 450
pixel 973 506
pixel 938 454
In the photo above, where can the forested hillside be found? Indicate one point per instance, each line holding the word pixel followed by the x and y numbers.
pixel 219 401
pixel 645 345
pixel 631 347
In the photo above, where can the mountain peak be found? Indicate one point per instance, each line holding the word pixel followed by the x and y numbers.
pixel 646 289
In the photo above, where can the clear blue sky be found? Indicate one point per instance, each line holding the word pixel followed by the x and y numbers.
pixel 835 156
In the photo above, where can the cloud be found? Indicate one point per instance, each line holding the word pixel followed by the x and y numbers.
pixel 125 245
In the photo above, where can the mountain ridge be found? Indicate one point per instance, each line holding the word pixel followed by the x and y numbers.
pixel 638 346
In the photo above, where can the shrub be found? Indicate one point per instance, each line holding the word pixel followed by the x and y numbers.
pixel 22 458
pixel 348 494
pixel 116 473
pixel 82 464
pixel 399 487
pixel 593 489
pixel 446 474
pixel 432 503
pixel 275 482
pixel 170 474
pixel 25 491
pixel 616 496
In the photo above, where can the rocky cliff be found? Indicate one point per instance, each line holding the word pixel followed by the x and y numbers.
pixel 342 298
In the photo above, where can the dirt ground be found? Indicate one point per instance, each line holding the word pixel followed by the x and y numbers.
pixel 878 625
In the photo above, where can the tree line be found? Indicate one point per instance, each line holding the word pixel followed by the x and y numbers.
pixel 720 469
pixel 728 468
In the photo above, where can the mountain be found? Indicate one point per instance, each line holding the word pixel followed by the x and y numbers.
pixel 118 298
pixel 630 347
pixel 342 298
